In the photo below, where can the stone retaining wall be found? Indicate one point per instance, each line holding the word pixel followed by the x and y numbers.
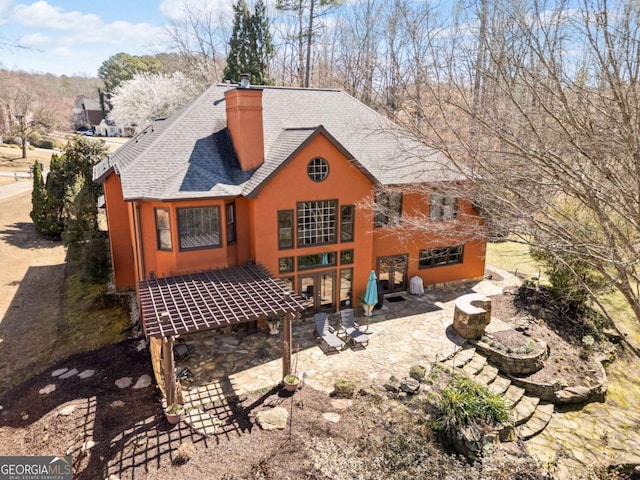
pixel 515 363
pixel 557 393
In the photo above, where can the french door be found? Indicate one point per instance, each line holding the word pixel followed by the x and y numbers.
pixel 392 273
pixel 318 289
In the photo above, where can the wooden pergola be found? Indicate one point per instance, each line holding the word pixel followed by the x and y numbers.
pixel 184 304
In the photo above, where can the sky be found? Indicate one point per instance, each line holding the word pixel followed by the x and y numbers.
pixel 72 37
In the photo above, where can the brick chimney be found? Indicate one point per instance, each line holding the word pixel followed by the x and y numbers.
pixel 244 121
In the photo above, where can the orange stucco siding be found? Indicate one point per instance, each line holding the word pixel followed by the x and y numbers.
pixel 133 224
pixel 389 241
pixel 122 252
pixel 178 261
pixel 291 184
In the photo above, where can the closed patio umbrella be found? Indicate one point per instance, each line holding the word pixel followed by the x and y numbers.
pixel 371 294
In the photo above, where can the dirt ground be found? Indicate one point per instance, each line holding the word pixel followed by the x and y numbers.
pixel 31 273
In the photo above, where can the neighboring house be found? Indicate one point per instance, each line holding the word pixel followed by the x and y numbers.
pixel 86 112
pixel 109 128
pixel 280 178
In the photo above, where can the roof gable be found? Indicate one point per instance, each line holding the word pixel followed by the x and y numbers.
pixel 288 144
pixel 190 155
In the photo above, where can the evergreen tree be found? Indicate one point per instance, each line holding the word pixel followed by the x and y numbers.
pixel 250 45
pixel 38 198
pixel 261 36
pixel 68 175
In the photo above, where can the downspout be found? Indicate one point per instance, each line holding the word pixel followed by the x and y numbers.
pixel 138 237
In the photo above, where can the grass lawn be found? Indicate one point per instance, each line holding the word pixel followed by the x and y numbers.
pixel 513 257
pixel 11 158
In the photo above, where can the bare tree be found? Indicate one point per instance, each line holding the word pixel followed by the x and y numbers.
pixel 543 102
pixel 201 39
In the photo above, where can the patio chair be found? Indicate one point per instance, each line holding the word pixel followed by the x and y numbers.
pixel 327 333
pixel 352 330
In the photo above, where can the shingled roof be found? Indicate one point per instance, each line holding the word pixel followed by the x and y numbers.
pixel 190 154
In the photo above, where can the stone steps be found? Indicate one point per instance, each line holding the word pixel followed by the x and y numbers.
pixel 524 409
pixel 487 375
pixel 537 423
pixel 499 385
pixel 514 394
pixel 476 364
pixel 530 417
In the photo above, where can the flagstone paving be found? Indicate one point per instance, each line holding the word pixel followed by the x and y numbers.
pixel 403 334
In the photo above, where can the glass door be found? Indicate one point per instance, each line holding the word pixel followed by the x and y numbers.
pixel 318 291
pixel 392 273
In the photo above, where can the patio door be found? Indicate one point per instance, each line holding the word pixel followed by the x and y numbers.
pixel 392 273
pixel 318 290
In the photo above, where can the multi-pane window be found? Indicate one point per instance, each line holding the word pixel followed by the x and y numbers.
pixel 346 223
pixel 346 257
pixel 231 223
pixel 285 264
pixel 316 261
pixel 199 227
pixel 163 228
pixel 388 209
pixel 443 207
pixel 346 274
pixel 437 257
pixel 316 222
pixel 318 169
pixel 285 228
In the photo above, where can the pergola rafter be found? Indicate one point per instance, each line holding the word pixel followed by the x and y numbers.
pixel 184 304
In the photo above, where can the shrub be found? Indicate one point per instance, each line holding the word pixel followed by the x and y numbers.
pixel 464 402
pixel 344 388
pixel 47 143
pixel 417 372
pixel 12 140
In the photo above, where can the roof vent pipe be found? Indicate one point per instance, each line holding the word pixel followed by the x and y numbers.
pixel 244 80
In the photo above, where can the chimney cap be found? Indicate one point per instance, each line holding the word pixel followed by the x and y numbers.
pixel 244 80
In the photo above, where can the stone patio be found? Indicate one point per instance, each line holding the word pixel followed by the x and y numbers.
pixel 403 334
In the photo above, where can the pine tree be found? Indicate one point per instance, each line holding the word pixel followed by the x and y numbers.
pixel 250 45
pixel 263 51
pixel 38 198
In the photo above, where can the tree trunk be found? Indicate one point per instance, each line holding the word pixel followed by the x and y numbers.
pixel 307 68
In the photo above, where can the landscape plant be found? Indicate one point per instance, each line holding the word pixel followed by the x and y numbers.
pixel 464 402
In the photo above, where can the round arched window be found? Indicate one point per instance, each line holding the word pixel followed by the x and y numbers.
pixel 318 169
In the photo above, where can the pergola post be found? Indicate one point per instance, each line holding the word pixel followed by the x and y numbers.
pixel 169 367
pixel 286 344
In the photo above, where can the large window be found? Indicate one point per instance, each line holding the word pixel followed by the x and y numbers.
pixel 285 228
pixel 438 257
pixel 163 228
pixel 388 208
pixel 199 227
pixel 443 207
pixel 231 223
pixel 316 222
pixel 346 223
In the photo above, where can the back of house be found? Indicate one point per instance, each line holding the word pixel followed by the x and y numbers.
pixel 309 183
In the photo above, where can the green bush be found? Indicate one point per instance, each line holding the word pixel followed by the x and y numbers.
pixel 464 402
pixel 417 372
pixel 344 388
pixel 12 140
pixel 34 137
pixel 47 143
